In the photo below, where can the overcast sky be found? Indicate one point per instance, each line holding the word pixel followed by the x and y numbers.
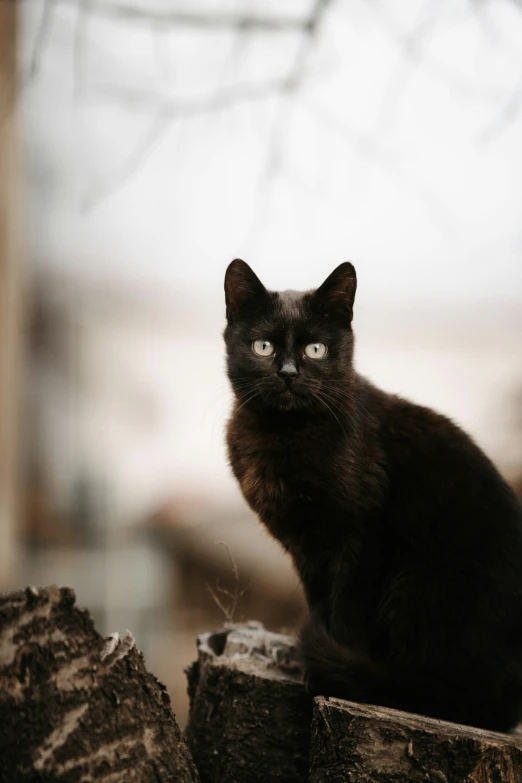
pixel 393 152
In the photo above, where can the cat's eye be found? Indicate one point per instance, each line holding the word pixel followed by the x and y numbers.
pixel 263 347
pixel 316 350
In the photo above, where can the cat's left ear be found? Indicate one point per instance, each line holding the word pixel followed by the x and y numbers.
pixel 243 289
pixel 337 293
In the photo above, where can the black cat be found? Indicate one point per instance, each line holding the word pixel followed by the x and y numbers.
pixel 407 540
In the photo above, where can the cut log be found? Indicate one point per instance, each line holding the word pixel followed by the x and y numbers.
pixel 366 744
pixel 250 715
pixel 76 707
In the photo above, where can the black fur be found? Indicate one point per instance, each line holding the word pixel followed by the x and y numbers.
pixel 406 538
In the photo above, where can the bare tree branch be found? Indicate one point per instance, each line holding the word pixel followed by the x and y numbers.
pixel 40 40
pixel 166 109
pixel 485 23
pixel 146 100
pixel 411 50
pixel 178 18
pixel 368 147
pixel 509 114
pixel 294 82
pixel 79 46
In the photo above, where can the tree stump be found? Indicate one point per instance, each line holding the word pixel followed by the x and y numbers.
pixel 76 707
pixel 250 715
pixel 356 743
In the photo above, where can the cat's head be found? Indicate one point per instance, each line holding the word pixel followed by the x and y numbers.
pixel 289 350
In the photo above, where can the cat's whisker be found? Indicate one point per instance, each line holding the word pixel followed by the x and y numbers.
pixel 346 395
pixel 240 387
pixel 249 399
pixel 340 404
pixel 219 418
pixel 217 400
pixel 344 400
pixel 321 399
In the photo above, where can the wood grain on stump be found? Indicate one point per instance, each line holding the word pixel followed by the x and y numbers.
pixel 355 743
pixel 76 707
pixel 250 715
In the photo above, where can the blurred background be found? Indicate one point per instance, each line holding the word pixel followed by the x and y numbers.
pixel 143 145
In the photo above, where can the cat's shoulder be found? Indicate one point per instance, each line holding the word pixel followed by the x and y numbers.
pixel 400 419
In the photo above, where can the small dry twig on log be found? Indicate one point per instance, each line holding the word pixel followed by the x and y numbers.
pixel 234 594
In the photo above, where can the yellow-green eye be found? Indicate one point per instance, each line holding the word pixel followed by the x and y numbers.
pixel 316 350
pixel 263 347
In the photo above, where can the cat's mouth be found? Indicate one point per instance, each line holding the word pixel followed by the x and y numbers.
pixel 292 396
pixel 277 394
pixel 287 397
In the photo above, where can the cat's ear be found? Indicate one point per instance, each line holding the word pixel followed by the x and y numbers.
pixel 337 293
pixel 243 289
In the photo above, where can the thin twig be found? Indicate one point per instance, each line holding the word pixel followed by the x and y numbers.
pixel 235 594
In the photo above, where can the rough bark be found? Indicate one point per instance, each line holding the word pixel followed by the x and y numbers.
pixel 354 742
pixel 76 707
pixel 249 712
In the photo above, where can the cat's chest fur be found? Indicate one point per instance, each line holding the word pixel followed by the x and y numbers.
pixel 308 487
pixel 282 468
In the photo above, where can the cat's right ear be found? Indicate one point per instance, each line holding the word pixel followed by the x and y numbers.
pixel 337 293
pixel 243 288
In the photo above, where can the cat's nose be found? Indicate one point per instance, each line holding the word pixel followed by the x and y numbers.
pixel 288 371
